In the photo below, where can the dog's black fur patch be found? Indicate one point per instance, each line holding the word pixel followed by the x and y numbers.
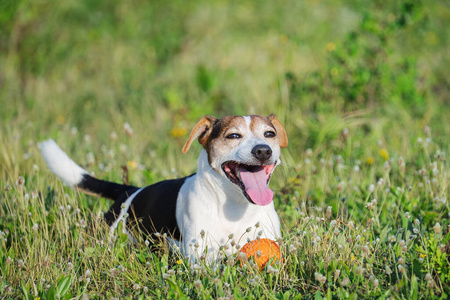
pixel 104 188
pixel 153 209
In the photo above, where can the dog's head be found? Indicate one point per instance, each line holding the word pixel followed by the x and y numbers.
pixel 244 150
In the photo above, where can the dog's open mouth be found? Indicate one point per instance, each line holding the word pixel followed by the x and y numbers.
pixel 253 180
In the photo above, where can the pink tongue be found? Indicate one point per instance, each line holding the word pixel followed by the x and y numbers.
pixel 255 183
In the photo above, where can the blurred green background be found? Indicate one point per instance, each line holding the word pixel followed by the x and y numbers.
pixel 375 67
pixel 362 88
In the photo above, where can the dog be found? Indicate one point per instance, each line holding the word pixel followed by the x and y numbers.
pixel 202 214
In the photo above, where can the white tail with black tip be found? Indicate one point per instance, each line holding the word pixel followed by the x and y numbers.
pixel 61 164
pixel 76 177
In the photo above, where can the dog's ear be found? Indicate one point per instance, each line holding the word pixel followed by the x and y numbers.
pixel 201 131
pixel 282 136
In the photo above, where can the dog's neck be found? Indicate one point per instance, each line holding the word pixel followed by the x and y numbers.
pixel 218 184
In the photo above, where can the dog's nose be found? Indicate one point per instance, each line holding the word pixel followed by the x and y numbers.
pixel 262 152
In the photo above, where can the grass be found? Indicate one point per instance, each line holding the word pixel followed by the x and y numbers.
pixel 361 88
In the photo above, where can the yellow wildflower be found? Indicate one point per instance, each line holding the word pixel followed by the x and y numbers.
pixel 177 132
pixel 132 164
pixel 370 160
pixel 331 47
pixel 384 154
pixel 294 180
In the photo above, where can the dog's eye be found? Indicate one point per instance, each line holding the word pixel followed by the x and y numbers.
pixel 269 134
pixel 233 136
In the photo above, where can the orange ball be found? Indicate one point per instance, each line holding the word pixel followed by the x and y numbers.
pixel 267 249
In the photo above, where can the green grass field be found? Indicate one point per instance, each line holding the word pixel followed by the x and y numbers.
pixel 361 87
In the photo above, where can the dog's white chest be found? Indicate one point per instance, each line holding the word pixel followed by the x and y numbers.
pixel 212 215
